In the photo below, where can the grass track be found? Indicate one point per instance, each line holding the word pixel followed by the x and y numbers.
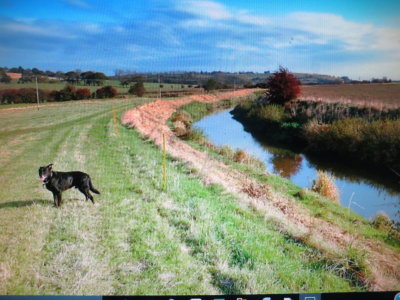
pixel 136 239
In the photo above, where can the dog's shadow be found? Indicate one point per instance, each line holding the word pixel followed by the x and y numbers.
pixel 24 203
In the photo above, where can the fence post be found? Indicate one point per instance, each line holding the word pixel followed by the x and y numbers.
pixel 164 163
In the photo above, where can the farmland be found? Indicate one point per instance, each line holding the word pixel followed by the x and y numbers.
pixel 378 95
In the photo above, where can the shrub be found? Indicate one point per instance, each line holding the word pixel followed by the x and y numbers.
pixel 325 186
pixel 137 89
pixel 273 113
pixel 212 84
pixel 382 221
pixel 82 94
pixel 282 87
pixel 198 136
pixel 184 117
pixel 106 92
pixel 240 156
pixel 226 151
pixel 66 94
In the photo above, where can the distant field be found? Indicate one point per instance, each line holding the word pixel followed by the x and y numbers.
pixel 361 94
pixel 149 86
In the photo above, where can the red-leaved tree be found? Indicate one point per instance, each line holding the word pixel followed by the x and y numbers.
pixel 282 87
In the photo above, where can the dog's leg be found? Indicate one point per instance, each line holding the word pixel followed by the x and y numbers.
pixel 90 197
pixel 87 194
pixel 59 199
pixel 83 191
pixel 55 198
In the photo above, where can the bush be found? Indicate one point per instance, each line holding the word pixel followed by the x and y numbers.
pixel 325 186
pixel 106 92
pixel 83 94
pixel 66 94
pixel 184 117
pixel 240 156
pixel 382 221
pixel 137 89
pixel 282 87
pixel 274 113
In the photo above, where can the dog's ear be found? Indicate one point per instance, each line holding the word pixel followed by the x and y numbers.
pixel 50 166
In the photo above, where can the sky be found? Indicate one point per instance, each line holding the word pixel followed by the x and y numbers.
pixel 359 39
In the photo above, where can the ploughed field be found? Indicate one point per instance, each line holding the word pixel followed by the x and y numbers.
pixel 377 95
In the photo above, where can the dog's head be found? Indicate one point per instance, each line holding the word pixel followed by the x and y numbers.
pixel 45 172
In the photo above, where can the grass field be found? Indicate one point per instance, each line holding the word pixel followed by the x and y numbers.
pixel 149 86
pixel 137 238
pixel 362 94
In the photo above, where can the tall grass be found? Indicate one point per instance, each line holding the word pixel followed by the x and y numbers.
pixel 325 186
pixel 362 134
pixel 376 143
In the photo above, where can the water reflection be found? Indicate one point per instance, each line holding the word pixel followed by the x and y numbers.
pixel 286 163
pixel 366 191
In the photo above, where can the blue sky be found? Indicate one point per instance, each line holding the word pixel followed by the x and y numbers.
pixel 360 39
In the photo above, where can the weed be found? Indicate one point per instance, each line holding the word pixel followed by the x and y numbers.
pixel 325 186
pixel 382 221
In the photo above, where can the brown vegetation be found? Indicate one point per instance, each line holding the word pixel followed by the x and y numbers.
pixel 325 186
pixel 376 95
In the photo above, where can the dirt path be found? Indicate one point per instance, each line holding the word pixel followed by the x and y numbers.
pixel 151 120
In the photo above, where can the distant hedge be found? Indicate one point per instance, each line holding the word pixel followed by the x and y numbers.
pixel 68 93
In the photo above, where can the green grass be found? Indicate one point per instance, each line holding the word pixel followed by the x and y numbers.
pixel 137 238
pixel 319 206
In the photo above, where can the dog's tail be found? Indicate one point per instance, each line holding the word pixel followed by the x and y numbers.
pixel 92 188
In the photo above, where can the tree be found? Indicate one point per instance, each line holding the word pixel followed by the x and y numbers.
pixel 72 77
pixel 82 94
pixel 211 84
pixel 282 87
pixel 67 93
pixel 4 77
pixel 106 92
pixel 137 89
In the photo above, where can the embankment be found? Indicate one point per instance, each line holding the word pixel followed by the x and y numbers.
pixel 383 262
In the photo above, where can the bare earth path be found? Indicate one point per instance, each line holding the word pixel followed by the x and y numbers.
pixel 151 121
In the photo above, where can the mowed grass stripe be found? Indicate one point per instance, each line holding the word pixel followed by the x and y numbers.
pixel 73 264
pixel 25 213
pixel 146 255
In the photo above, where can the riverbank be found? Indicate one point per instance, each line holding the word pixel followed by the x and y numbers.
pixel 353 243
pixel 363 136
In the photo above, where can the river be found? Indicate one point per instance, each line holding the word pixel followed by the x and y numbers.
pixel 363 191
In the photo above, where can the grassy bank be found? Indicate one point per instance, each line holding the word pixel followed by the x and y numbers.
pixel 365 135
pixel 319 206
pixel 137 238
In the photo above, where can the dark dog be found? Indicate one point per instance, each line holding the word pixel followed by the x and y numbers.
pixel 57 182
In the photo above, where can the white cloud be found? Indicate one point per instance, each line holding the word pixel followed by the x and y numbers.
pixel 246 18
pixel 208 9
pixel 329 28
pixel 28 28
pixel 237 46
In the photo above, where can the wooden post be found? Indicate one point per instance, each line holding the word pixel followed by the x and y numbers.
pixel 159 86
pixel 164 163
pixel 37 93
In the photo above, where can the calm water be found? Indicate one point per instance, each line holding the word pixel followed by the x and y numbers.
pixel 366 193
